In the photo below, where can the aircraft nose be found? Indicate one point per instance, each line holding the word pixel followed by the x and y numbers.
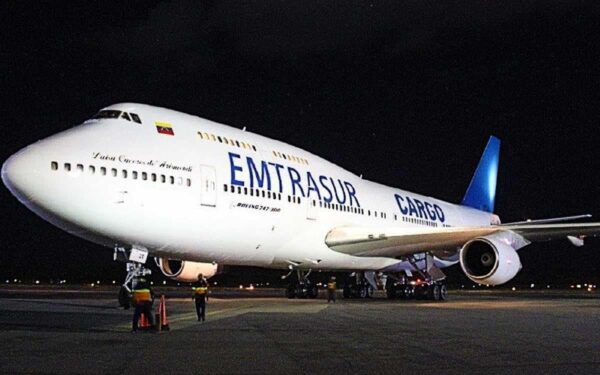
pixel 20 174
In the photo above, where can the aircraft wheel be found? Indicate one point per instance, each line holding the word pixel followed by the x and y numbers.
pixel 313 292
pixel 290 292
pixel 434 291
pixel 124 301
pixel 443 292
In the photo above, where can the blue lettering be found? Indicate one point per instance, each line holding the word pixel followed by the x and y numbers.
pixel 399 200
pixel 439 212
pixel 295 181
pixel 351 193
pixel 260 178
pixel 322 180
pixel 312 185
pixel 411 207
pixel 234 168
pixel 421 208
pixel 340 201
pixel 430 211
pixel 278 168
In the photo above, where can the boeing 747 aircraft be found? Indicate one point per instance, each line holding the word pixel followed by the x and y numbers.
pixel 195 194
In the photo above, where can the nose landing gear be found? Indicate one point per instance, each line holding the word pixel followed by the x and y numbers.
pixel 134 259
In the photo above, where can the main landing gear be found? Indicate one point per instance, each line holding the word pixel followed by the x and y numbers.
pixel 300 286
pixel 357 286
pixel 134 259
pixel 431 285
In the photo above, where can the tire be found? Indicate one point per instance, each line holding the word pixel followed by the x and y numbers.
pixel 391 292
pixel 124 300
pixel 290 292
pixel 346 292
pixel 362 292
pixel 313 292
pixel 443 292
pixel 370 291
pixel 434 292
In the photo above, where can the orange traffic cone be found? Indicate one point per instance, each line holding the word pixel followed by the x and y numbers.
pixel 144 323
pixel 162 312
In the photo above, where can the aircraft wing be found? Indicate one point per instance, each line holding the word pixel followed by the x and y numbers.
pixel 393 242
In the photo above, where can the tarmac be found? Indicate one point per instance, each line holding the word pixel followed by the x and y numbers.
pixel 57 331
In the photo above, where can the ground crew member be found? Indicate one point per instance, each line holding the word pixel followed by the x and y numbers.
pixel 200 289
pixel 331 287
pixel 142 298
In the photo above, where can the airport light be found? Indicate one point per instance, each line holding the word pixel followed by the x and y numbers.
pixel 164 282
pixel 92 285
pixel 37 282
pixel 514 288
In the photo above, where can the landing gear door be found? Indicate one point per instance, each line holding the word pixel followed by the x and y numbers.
pixel 312 209
pixel 208 186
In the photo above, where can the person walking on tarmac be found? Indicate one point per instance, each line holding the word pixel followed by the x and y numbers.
pixel 142 298
pixel 331 287
pixel 200 289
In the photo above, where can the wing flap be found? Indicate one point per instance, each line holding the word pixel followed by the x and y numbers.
pixel 394 242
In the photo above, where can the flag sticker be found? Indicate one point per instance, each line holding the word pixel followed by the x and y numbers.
pixel 164 128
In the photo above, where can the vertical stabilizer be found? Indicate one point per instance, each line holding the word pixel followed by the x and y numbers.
pixel 481 193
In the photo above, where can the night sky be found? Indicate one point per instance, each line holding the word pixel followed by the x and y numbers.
pixel 405 93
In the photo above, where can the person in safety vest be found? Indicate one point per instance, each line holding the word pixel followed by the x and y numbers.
pixel 200 289
pixel 142 298
pixel 331 287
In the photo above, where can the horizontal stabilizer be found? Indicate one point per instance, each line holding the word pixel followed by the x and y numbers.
pixel 481 193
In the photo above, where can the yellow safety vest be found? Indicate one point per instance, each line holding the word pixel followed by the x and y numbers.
pixel 331 285
pixel 141 295
pixel 200 291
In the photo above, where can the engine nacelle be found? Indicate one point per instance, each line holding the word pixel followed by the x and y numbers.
pixel 186 271
pixel 488 260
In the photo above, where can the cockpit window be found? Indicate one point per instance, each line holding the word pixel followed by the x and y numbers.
pixel 107 113
pixel 114 114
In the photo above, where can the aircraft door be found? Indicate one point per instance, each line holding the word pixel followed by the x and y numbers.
pixel 312 209
pixel 208 186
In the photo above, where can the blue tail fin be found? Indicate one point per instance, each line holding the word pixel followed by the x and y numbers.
pixel 481 193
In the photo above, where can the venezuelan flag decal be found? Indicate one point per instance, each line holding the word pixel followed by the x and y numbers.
pixel 164 128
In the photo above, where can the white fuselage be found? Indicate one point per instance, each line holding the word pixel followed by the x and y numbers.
pixel 116 181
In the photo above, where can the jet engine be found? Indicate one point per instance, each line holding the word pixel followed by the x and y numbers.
pixel 186 271
pixel 489 260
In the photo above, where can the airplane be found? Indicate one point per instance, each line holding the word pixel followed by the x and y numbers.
pixel 197 195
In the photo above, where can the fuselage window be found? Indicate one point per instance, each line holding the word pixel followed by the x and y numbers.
pixel 103 171
pixel 220 139
pixel 239 189
pixel 134 175
pixel 79 167
pixel 124 173
pixel 163 178
pixel 54 165
pixel 269 194
pixel 153 177
pixel 92 169
pixel 188 182
pixel 67 167
pixel 113 172
pixel 144 176
pixel 179 180
pixel 237 143
pixel 225 188
pixel 200 134
pixel 245 191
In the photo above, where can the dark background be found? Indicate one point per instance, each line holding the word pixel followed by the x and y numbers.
pixel 405 93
